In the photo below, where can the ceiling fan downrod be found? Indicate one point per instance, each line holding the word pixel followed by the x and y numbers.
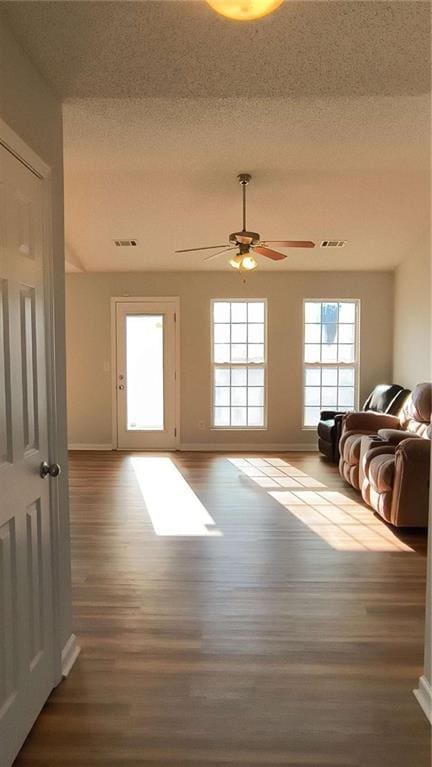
pixel 244 179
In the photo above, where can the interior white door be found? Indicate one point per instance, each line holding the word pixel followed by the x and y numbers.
pixel 26 595
pixel 146 374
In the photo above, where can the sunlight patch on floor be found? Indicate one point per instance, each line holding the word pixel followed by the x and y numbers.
pixel 173 507
pixel 338 519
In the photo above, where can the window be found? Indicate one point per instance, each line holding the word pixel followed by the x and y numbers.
pixel 330 357
pixel 239 364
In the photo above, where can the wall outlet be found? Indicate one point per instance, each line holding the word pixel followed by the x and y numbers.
pixel 201 425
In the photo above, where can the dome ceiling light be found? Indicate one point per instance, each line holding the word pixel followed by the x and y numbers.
pixel 244 10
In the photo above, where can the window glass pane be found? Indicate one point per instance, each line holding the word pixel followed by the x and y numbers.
pixel 238 376
pixel 238 312
pixel 313 334
pixel 313 311
pixel 238 395
pixel 347 312
pixel 329 377
pixel 312 353
pixel 221 416
pixel 256 376
pixel 312 395
pixel 346 376
pixel 255 352
pixel 256 395
pixel 346 334
pixel 238 352
pixel 346 396
pixel 222 376
pixel 256 312
pixel 255 416
pixel 222 395
pixel 221 311
pixel 329 353
pixel 256 334
pixel 329 396
pixel 329 333
pixel 313 376
pixel 222 334
pixel 312 416
pixel 238 334
pixel 329 313
pixel 238 416
pixel 346 353
pixel 145 372
pixel 221 353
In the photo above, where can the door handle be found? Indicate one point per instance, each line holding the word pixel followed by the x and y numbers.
pixel 121 386
pixel 49 469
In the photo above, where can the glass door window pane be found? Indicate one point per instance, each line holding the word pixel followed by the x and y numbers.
pixel 145 372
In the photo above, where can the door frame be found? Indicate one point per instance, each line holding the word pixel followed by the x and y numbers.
pixel 15 145
pixel 125 299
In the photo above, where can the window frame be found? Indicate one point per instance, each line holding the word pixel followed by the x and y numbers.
pixel 214 365
pixel 355 364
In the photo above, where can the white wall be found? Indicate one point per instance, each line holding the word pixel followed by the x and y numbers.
pixel 89 345
pixel 412 313
pixel 33 112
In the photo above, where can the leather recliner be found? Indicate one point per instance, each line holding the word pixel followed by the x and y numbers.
pixel 385 398
pixel 395 464
pixel 355 425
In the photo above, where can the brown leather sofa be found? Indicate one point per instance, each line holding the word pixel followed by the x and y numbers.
pixel 354 425
pixel 395 464
pixel 385 398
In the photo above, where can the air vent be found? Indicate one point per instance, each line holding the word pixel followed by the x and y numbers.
pixel 125 243
pixel 333 243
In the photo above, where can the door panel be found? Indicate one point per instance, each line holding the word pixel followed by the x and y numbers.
pixel 26 595
pixel 145 374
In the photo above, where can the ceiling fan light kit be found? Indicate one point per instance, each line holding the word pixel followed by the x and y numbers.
pixel 249 242
pixel 244 10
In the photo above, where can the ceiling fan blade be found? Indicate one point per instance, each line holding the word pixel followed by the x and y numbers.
pixel 215 255
pixel 263 250
pixel 206 247
pixel 290 243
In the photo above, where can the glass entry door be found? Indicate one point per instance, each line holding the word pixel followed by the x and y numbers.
pixel 146 374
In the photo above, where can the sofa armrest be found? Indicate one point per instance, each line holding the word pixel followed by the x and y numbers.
pixel 384 449
pixel 395 436
pixel 415 450
pixel 410 502
pixel 326 415
pixel 369 422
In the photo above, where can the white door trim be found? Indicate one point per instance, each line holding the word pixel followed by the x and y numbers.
pixel 115 300
pixel 14 144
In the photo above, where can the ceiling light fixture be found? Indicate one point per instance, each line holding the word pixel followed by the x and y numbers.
pixel 244 10
pixel 243 262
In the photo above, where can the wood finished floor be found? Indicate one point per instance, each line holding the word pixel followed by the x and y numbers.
pixel 275 641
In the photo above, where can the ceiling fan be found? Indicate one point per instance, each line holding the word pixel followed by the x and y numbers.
pixel 248 243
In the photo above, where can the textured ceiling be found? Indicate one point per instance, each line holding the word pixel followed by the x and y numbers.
pixel 325 103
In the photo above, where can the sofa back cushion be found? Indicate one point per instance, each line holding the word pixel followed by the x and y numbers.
pixel 385 398
pixel 416 414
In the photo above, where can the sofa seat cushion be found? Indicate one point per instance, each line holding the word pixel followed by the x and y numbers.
pixel 382 472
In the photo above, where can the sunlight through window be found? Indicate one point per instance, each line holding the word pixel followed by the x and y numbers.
pixel 173 507
pixel 338 519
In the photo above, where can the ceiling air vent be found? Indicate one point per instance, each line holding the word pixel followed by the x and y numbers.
pixel 333 243
pixel 125 243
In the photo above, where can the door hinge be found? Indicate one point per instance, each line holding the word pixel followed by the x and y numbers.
pixel 175 316
pixel 175 432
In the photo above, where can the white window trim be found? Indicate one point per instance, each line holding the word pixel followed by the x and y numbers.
pixel 214 365
pixel 355 364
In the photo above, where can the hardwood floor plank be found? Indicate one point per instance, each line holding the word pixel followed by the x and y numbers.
pixel 285 629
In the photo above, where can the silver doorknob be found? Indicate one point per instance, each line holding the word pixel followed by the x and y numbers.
pixel 49 469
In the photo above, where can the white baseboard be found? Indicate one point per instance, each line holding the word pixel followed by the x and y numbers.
pixel 70 653
pixel 246 448
pixel 424 696
pixel 86 446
